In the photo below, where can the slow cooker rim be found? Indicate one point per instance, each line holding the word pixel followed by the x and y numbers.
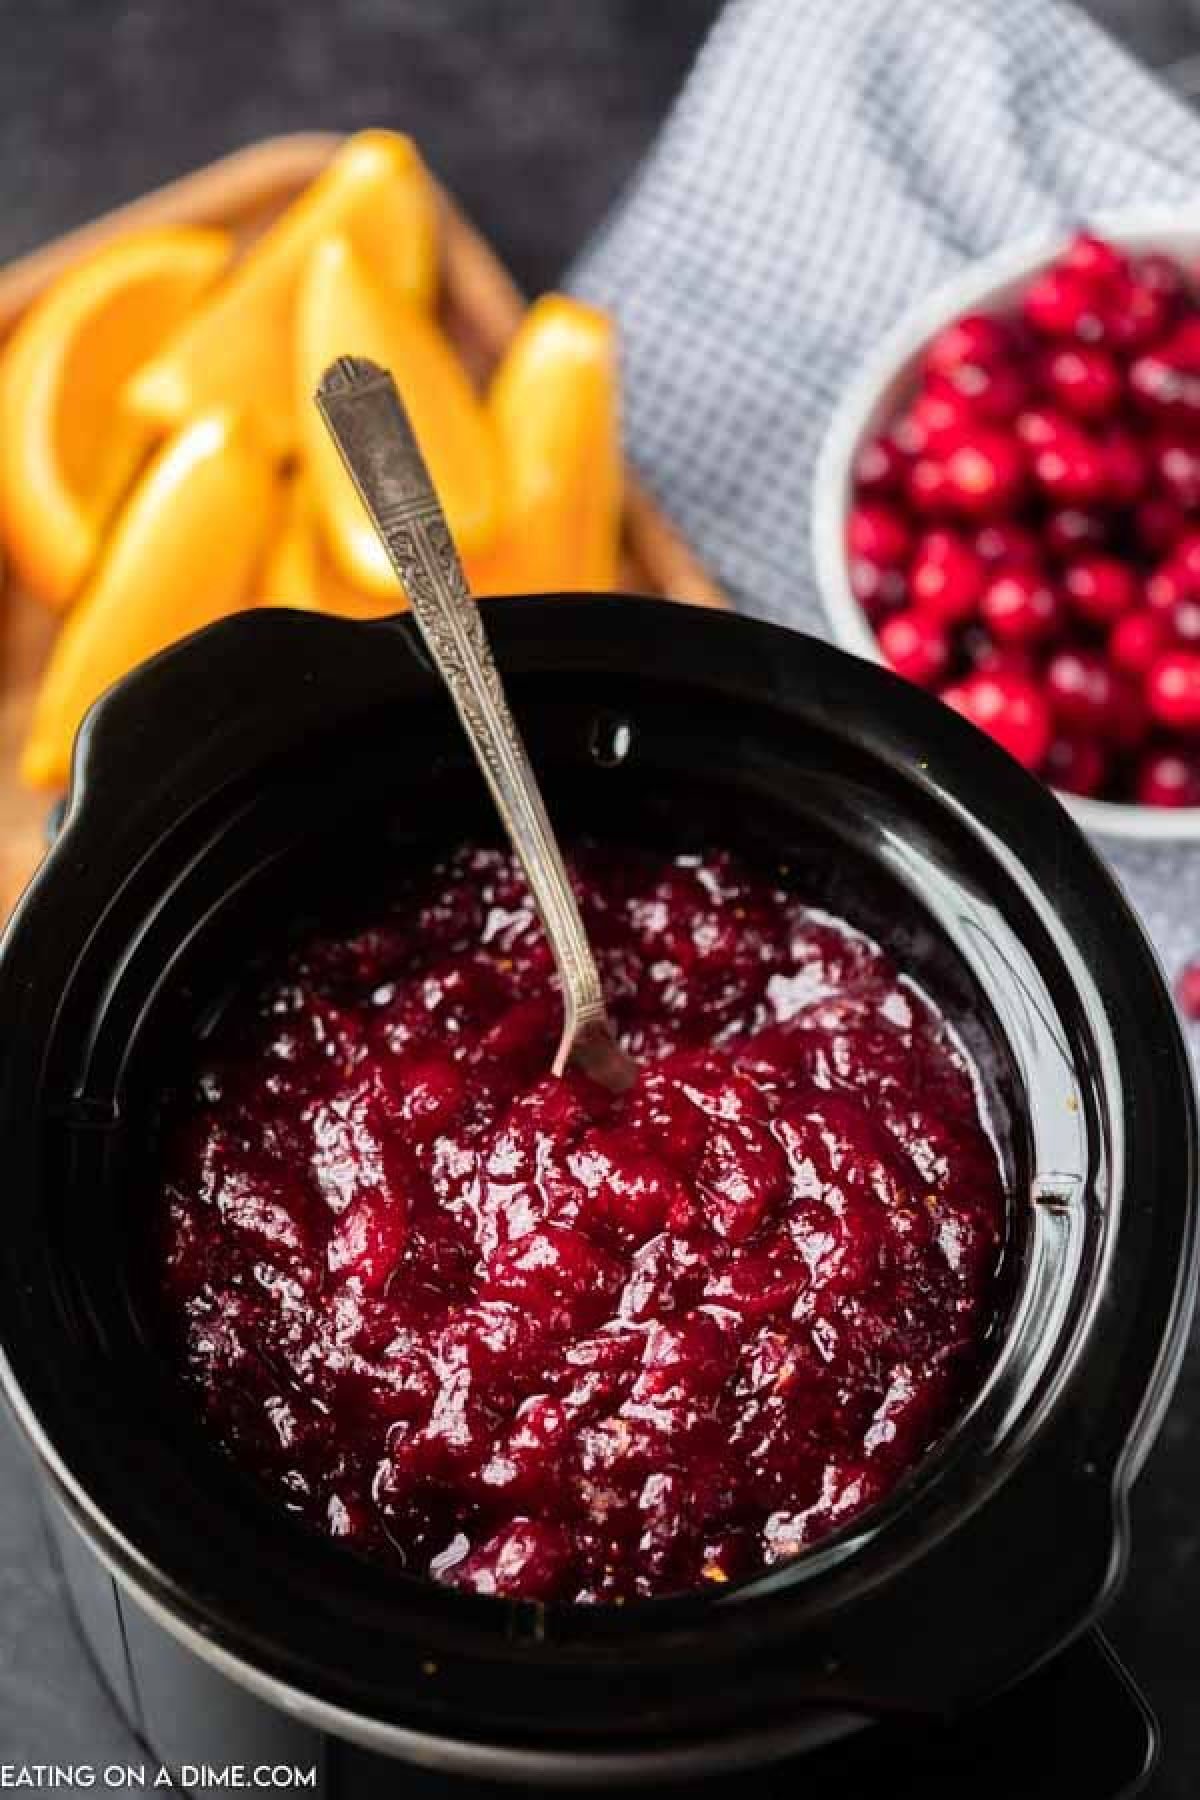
pixel 79 796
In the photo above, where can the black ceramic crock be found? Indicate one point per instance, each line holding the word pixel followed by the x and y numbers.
pixel 279 758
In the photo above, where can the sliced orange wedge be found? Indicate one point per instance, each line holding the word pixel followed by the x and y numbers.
pixel 342 311
pixel 553 402
pixel 237 349
pixel 67 449
pixel 183 552
pixel 299 573
pixel 289 575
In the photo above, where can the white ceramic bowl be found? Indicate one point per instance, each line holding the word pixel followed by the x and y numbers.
pixel 884 382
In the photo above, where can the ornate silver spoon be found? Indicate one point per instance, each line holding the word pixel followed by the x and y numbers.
pixel 367 421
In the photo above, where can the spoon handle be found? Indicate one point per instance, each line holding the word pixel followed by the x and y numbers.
pixel 362 409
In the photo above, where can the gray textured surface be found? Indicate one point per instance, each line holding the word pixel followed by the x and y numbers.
pixel 536 114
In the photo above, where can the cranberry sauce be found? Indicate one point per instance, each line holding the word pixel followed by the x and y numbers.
pixel 525 1338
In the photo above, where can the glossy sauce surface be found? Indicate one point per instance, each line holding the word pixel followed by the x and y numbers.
pixel 525 1338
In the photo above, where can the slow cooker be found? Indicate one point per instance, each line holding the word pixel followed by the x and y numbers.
pixel 280 757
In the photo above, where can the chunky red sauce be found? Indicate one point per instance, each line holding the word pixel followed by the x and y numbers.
pixel 522 1337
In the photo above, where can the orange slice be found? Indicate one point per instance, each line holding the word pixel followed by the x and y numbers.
pixel 67 450
pixel 554 404
pixel 237 349
pixel 298 572
pixel 342 312
pixel 183 552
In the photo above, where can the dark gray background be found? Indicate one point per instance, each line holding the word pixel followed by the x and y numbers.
pixel 535 112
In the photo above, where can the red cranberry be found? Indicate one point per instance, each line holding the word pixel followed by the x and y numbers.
pixel 1185 621
pixel 879 469
pixel 1135 642
pixel 1099 588
pixel 1076 765
pixel 1126 469
pixel 975 338
pixel 1162 274
pixel 879 534
pixel 1084 379
pixel 929 485
pixel 1168 778
pixel 1134 315
pixel 1010 708
pixel 1166 378
pixel 916 647
pixel 1186 557
pixel 1038 427
pixel 1165 587
pixel 992 391
pixel 984 475
pixel 1005 544
pixel 1094 258
pixel 1080 687
pixel 878 591
pixel 1187 990
pixel 946 577
pixel 1060 303
pixel 1020 607
pixel 935 421
pixel 1071 468
pixel 1178 467
pixel 1071 529
pixel 1173 689
pixel 1158 522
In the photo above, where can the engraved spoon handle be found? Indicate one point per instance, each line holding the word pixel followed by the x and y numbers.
pixel 367 421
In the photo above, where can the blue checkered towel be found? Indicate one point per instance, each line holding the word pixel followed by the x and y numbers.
pixel 825 165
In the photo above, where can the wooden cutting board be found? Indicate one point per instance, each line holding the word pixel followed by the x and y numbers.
pixel 481 308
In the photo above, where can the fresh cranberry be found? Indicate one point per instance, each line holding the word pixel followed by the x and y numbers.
pixel 1186 557
pixel 929 485
pixel 915 646
pixel 946 577
pixel 1084 379
pixel 1185 621
pixel 1093 258
pixel 1099 588
pixel 1135 315
pixel 983 651
pixel 1173 689
pixel 1020 607
pixel 1168 778
pixel 1069 530
pixel 984 474
pixel 935 421
pixel 1166 378
pixel 1158 522
pixel 1076 765
pixel 1126 467
pixel 1164 588
pixel 879 469
pixel 1039 427
pixel 1187 990
pixel 1061 303
pixel 1009 708
pixel 976 338
pixel 1162 275
pixel 1071 468
pixel 995 392
pixel 1177 463
pixel 1005 544
pixel 1080 687
pixel 878 591
pixel 878 534
pixel 1135 641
